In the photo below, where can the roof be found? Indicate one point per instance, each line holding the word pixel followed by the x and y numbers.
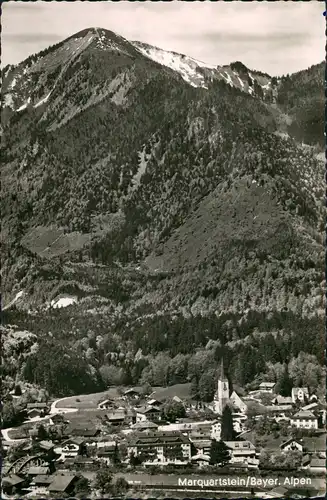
pixel 304 414
pixel 75 440
pixel 12 480
pixel 154 402
pixel 201 443
pixel 131 391
pixel 145 425
pixel 295 390
pixel 84 432
pixel 201 456
pixel 155 439
pixel 291 440
pixel 240 445
pixel 283 400
pixel 116 415
pixel 148 409
pixel 267 384
pixel 318 462
pixel 46 445
pixel 33 410
pixel 61 483
pixel 315 443
pixel 38 471
pixel 43 479
pixel 36 405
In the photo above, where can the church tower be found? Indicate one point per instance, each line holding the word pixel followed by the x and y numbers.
pixel 222 394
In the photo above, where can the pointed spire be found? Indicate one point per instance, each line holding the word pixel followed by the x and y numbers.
pixel 222 372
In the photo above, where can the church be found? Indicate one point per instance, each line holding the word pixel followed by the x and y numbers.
pixel 221 398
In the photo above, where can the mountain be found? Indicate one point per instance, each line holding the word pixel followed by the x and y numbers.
pixel 168 204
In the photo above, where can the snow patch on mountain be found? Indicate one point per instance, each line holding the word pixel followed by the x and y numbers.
pixel 186 66
pixel 42 101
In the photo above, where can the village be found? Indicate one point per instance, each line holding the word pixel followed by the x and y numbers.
pixel 148 441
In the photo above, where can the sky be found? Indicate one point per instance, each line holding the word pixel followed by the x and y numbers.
pixel 273 37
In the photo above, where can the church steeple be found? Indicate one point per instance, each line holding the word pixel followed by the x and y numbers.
pixel 222 372
pixel 222 395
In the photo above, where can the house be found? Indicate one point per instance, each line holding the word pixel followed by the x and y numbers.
pixel 106 404
pixel 154 402
pixel 37 471
pixel 202 445
pixel 315 445
pixel 71 448
pixel 131 393
pixel 160 448
pixel 238 402
pixel 318 465
pixel 34 412
pixel 40 484
pixel 86 463
pixel 304 419
pixel 150 413
pixel 240 451
pixel 108 453
pixel 42 407
pixel 267 387
pixel 144 426
pixel 63 483
pixel 201 460
pixel 57 419
pixel 178 400
pixel 84 432
pixel 13 483
pixel 281 400
pixel 300 394
pixel 291 445
pixel 215 430
pixel 121 416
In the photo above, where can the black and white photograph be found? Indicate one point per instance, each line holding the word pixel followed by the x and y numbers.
pixel 163 250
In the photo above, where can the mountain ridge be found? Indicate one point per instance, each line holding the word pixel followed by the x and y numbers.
pixel 156 209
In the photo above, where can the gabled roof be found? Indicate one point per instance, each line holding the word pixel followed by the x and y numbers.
pixel 38 471
pixel 84 432
pixel 148 409
pixel 201 456
pixel 43 479
pixel 74 440
pixel 61 483
pixel 240 445
pixel 46 445
pixel 36 405
pixel 304 414
pixel 267 384
pixel 291 440
pixel 12 480
pixel 295 390
pixel 145 425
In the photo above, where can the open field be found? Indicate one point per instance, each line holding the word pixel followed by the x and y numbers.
pixel 183 391
pixel 88 401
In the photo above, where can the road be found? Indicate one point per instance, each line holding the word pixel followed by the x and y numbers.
pixel 53 411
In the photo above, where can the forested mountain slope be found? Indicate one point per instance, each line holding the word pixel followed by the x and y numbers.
pixel 175 214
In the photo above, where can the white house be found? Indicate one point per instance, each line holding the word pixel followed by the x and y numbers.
pixel 148 413
pixel 106 404
pixel 300 394
pixel 240 451
pixel 281 400
pixel 216 430
pixel 161 448
pixel 291 445
pixel 201 459
pixel 267 387
pixel 304 419
pixel 70 448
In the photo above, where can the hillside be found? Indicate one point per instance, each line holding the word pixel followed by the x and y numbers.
pixel 153 206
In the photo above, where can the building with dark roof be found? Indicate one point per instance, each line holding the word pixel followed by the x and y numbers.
pixel 63 483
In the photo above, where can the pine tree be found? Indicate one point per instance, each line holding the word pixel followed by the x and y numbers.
pixel 227 430
pixel 219 454
pixel 284 384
